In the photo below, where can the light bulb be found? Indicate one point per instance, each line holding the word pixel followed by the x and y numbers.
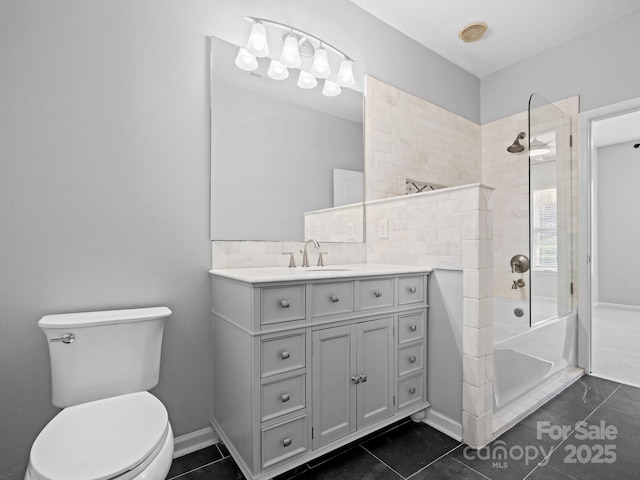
pixel 290 54
pixel 306 80
pixel 246 61
pixel 345 74
pixel 320 67
pixel 277 71
pixel 331 89
pixel 257 44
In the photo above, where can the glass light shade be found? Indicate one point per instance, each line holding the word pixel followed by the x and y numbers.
pixel 538 148
pixel 246 61
pixel 320 67
pixel 331 89
pixel 257 44
pixel 277 71
pixel 290 54
pixel 306 80
pixel 345 74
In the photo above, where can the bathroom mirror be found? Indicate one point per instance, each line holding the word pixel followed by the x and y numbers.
pixel 279 151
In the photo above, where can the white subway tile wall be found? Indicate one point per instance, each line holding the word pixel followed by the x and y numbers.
pixel 408 137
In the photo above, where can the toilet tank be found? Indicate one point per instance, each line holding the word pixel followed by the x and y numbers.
pixel 107 353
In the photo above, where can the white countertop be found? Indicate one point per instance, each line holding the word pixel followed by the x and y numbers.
pixel 283 274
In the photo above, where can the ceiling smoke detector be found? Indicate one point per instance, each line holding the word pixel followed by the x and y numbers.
pixel 472 32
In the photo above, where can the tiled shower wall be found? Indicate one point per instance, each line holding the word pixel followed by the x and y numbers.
pixel 407 137
pixel 508 173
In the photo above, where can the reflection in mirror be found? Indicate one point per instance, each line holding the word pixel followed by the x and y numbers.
pixel 278 152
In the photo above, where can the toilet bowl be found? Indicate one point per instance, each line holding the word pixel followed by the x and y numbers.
pixel 127 437
pixel 111 427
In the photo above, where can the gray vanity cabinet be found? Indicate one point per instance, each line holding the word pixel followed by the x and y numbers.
pixel 352 378
pixel 305 365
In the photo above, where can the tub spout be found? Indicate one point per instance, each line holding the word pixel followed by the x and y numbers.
pixel 517 284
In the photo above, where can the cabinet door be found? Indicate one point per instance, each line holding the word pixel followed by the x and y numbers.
pixel 334 362
pixel 375 367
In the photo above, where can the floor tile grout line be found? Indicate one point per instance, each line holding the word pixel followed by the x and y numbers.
pixel 471 468
pixel 358 443
pixel 385 464
pixel 197 468
pixel 434 461
pixel 546 459
pixel 571 477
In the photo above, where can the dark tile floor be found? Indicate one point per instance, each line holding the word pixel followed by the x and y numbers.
pixel 550 444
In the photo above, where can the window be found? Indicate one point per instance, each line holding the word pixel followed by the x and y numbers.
pixel 545 230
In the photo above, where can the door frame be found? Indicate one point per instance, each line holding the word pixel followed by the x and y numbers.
pixel 586 155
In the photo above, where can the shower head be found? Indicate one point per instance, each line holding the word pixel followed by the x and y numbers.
pixel 516 147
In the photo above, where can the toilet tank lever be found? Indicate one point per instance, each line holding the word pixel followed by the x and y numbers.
pixel 66 338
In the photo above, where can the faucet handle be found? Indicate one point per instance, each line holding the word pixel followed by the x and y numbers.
pixel 320 259
pixel 292 259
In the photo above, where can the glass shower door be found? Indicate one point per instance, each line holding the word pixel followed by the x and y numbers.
pixel 551 206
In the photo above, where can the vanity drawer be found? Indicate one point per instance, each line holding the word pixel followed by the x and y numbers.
pixel 411 290
pixel 410 391
pixel 410 359
pixel 283 353
pixel 282 396
pixel 411 327
pixel 282 304
pixel 332 298
pixel 283 441
pixel 376 293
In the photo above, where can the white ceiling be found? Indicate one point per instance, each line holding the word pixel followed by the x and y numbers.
pixel 517 29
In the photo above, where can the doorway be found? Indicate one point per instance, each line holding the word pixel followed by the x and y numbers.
pixel 609 292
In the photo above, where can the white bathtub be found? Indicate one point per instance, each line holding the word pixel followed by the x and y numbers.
pixel 525 356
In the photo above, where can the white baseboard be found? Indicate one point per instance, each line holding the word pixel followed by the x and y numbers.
pixel 446 425
pixel 194 441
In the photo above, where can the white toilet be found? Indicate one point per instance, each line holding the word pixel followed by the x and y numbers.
pixel 102 364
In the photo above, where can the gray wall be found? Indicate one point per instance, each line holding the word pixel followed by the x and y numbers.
pixel 618 231
pixel 104 173
pixel 444 344
pixel 268 149
pixel 601 66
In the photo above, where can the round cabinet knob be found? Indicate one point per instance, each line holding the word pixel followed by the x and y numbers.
pixel 363 378
pixel 285 355
pixel 377 293
pixel 285 303
pixel 355 379
pixel 335 298
pixel 412 359
pixel 285 397
pixel 412 390
pixel 286 442
pixel 413 328
pixel 412 289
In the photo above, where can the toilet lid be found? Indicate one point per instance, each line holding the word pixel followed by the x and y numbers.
pixel 100 440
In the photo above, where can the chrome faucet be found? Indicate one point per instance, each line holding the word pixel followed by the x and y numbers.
pixel 519 283
pixel 305 257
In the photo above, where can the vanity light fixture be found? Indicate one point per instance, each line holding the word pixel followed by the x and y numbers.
pixel 345 74
pixel 257 44
pixel 290 53
pixel 245 61
pixel 320 67
pixel 277 70
pixel 331 89
pixel 306 80
pixel 297 45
